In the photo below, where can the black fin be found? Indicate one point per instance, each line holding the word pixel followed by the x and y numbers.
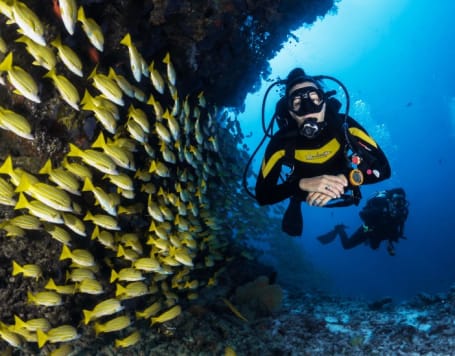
pixel 328 237
pixel 292 223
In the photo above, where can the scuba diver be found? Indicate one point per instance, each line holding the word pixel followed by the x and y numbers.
pixel 328 153
pixel 383 219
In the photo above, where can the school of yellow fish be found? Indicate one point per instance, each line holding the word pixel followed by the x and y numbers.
pixel 154 159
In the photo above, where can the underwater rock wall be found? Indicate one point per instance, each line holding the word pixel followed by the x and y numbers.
pixel 119 179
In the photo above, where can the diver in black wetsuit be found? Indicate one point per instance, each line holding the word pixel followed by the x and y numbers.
pixel 313 141
pixel 383 219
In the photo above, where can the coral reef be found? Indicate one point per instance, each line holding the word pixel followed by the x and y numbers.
pixel 259 298
pixel 120 180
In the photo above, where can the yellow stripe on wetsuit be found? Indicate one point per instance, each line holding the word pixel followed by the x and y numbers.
pixel 268 166
pixel 314 156
pixel 318 155
pixel 363 136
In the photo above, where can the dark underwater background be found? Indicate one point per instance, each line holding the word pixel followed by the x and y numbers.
pixel 397 60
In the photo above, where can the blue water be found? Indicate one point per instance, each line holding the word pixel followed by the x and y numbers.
pixel 396 58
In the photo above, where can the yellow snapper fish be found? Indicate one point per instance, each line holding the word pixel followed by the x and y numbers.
pixel 74 224
pixel 26 222
pixel 28 22
pixel 63 333
pixel 156 78
pixel 182 256
pixel 6 193
pixel 48 298
pixel 79 170
pixel 68 11
pixel 136 131
pixel 101 197
pixel 14 122
pixel 135 57
pixel 31 324
pixel 95 159
pixel 147 264
pixel 106 307
pixel 130 240
pixel 161 244
pixel 163 132
pixel 127 254
pixel 173 125
pixel 159 168
pixel 105 221
pixel 43 55
pixel 144 65
pixel 67 90
pixel 105 116
pixel 12 230
pixel 107 86
pixel 127 275
pixel 169 68
pixel 132 290
pixel 104 237
pixel 119 155
pixel 158 109
pixel 139 94
pixel 201 100
pixel 27 270
pixel 69 58
pixel 63 350
pixel 45 193
pixel 39 209
pixel 10 337
pixel 23 82
pixel 58 233
pixel 60 289
pixel 122 82
pixel 149 311
pixel 127 341
pixel 121 180
pixel 90 286
pixel 154 210
pixel 116 324
pixel 140 117
pixel 63 178
pixel 176 107
pixel 167 315
pixel 79 256
pixel 79 274
pixel 101 101
pixel 92 30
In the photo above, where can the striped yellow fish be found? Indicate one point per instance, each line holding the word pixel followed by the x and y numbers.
pixel 21 80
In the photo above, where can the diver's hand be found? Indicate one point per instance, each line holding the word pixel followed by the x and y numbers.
pixel 317 199
pixel 326 185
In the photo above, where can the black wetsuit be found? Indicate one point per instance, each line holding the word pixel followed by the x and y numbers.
pixel 373 235
pixel 314 157
pixel 383 218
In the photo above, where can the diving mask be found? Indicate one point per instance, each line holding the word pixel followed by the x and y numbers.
pixel 307 100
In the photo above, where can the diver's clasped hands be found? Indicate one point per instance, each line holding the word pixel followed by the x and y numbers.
pixel 323 188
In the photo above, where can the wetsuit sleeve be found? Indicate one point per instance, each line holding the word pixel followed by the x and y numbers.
pixel 374 164
pixel 269 189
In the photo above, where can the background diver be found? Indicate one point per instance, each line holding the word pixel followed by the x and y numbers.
pixel 328 153
pixel 383 216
